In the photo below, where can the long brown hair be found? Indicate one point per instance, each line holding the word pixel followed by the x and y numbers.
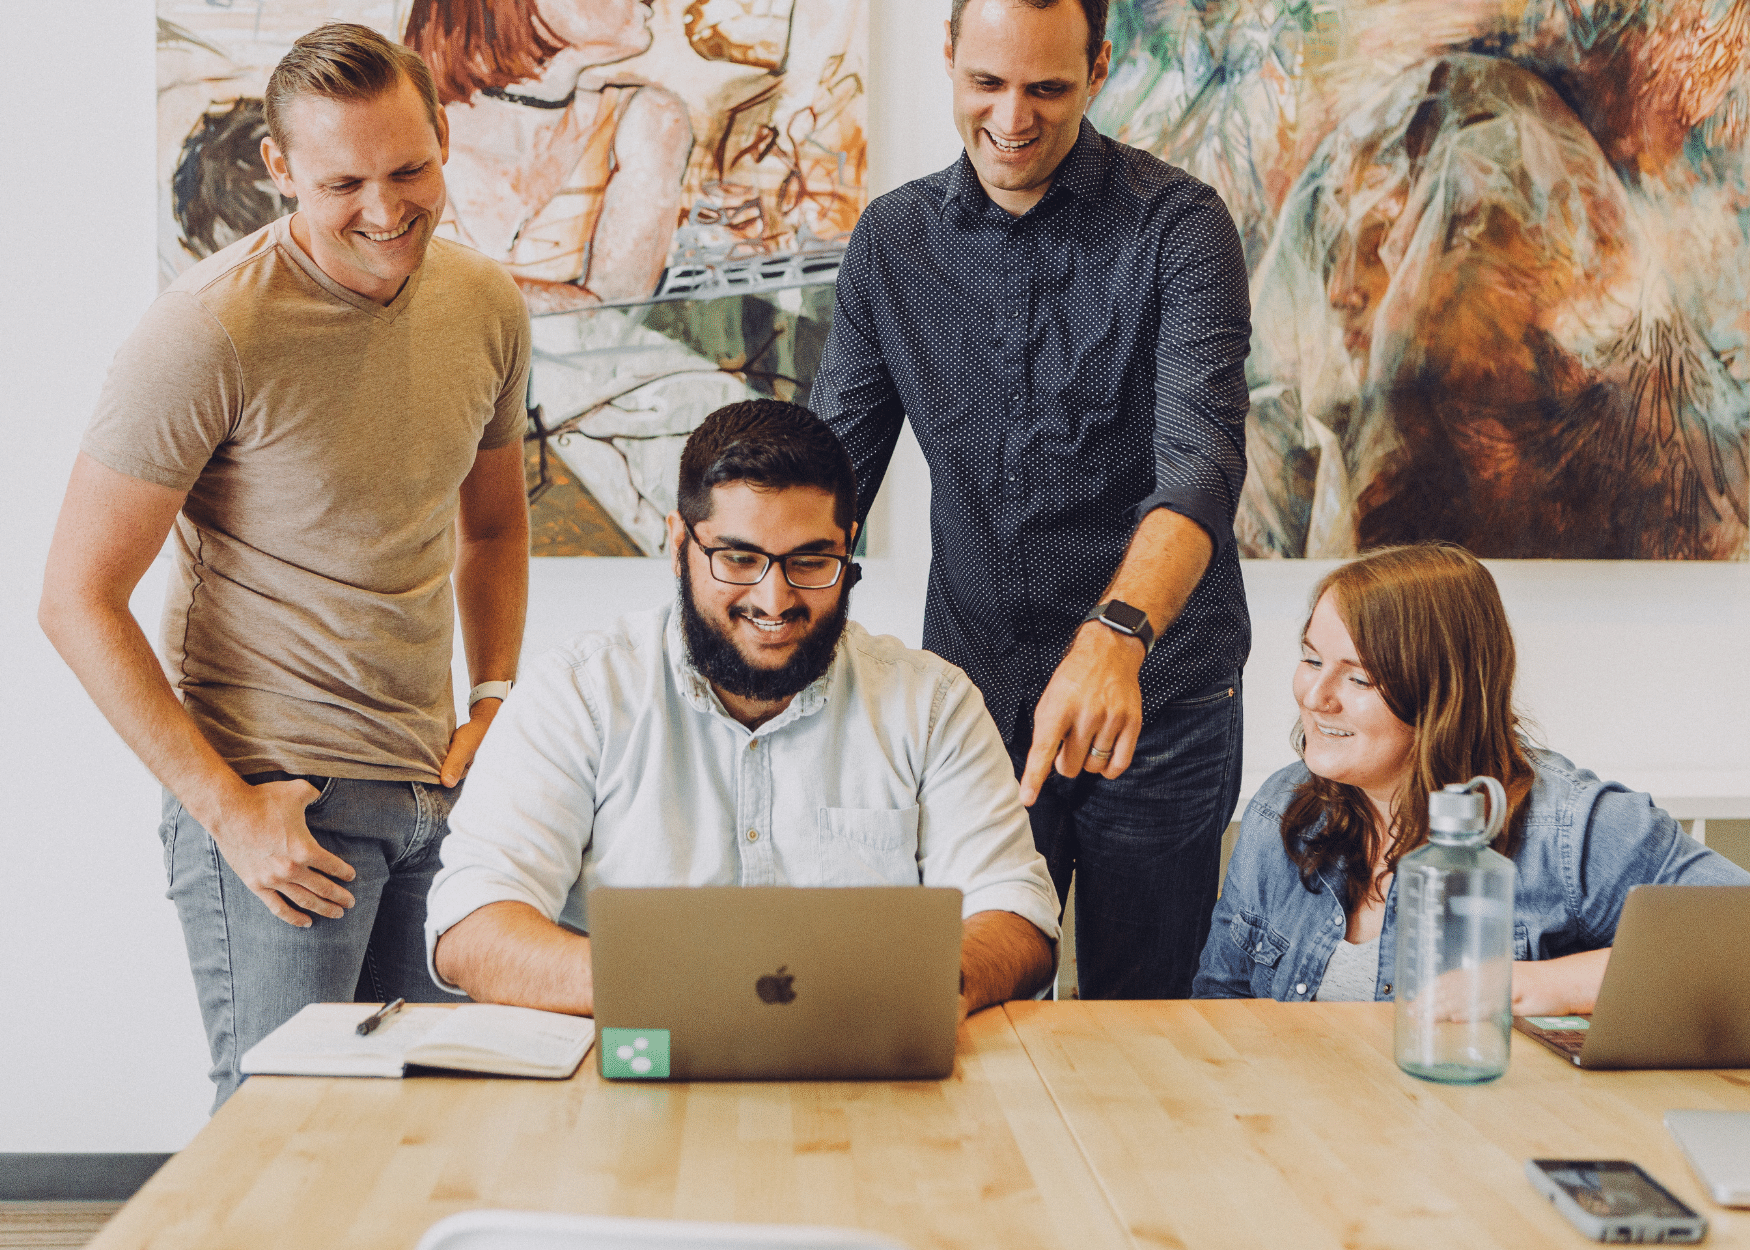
pixel 1430 630
pixel 472 45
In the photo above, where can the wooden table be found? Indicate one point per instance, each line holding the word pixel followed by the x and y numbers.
pixel 981 1159
pixel 1262 1124
pixel 1206 1124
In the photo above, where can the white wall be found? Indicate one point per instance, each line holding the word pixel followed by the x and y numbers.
pixel 1638 671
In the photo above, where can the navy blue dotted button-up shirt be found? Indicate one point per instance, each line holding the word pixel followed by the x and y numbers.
pixel 1065 372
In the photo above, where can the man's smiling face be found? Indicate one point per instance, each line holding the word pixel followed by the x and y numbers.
pixel 368 177
pixel 767 641
pixel 1021 84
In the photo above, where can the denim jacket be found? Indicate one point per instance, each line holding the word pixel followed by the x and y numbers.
pixel 1586 843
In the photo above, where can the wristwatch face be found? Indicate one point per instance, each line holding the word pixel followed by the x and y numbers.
pixel 1122 614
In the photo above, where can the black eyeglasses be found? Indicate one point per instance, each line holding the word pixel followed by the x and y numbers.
pixel 746 566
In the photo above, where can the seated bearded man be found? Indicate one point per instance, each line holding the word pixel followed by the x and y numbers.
pixel 746 734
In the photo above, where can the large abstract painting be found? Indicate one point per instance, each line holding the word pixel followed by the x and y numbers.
pixel 1500 259
pixel 671 183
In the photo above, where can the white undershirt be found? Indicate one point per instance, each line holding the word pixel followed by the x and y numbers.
pixel 1351 975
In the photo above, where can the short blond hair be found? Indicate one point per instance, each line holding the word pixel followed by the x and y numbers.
pixel 343 61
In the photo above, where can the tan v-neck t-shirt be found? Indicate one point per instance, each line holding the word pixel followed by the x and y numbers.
pixel 322 439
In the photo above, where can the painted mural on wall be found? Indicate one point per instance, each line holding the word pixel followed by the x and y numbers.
pixel 1500 258
pixel 671 182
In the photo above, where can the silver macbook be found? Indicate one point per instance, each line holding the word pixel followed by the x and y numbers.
pixel 1717 1145
pixel 1675 993
pixel 775 982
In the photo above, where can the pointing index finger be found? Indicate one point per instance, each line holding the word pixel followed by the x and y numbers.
pixel 1038 768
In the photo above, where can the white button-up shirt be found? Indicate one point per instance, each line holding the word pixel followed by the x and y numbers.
pixel 614 763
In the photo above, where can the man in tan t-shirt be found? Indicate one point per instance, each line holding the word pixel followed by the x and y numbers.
pixel 327 416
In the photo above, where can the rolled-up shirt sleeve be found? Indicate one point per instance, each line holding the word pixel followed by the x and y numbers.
pixel 1201 399
pixel 526 816
pixel 973 833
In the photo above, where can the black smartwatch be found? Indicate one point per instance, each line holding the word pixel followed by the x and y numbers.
pixel 1118 615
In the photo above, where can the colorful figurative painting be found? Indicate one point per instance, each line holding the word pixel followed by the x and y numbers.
pixel 671 183
pixel 1500 261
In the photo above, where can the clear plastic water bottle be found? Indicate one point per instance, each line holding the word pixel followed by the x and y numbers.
pixel 1455 941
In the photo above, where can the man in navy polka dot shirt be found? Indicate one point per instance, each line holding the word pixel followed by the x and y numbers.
pixel 1065 321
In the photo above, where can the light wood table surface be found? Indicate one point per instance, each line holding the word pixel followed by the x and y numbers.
pixel 1263 1124
pixel 982 1159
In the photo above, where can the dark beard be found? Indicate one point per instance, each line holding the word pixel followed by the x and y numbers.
pixel 720 662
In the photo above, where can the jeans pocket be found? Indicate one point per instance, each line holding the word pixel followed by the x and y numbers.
pixel 324 787
pixel 1204 698
pixel 167 824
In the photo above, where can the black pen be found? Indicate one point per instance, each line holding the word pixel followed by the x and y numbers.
pixel 381 1014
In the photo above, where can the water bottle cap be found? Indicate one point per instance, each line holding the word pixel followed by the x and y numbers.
pixel 1456 813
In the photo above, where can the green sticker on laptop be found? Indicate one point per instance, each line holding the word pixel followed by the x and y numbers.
pixel 634 1054
pixel 1553 1023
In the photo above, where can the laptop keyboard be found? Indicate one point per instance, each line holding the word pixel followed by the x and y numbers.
pixel 1568 1041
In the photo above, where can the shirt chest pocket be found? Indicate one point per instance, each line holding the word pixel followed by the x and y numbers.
pixel 868 846
pixel 1262 945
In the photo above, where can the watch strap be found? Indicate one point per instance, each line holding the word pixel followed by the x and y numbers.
pixel 488 690
pixel 1143 633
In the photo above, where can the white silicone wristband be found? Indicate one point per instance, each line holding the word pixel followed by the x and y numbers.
pixel 488 690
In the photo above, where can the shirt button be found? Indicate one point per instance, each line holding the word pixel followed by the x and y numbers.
pixel 753 835
pixel 1260 946
pixel 753 744
pixel 1386 988
pixel 1301 988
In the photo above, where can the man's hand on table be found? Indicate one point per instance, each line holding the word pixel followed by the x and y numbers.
pixel 1002 956
pixel 508 952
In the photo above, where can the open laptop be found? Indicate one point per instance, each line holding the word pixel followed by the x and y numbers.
pixel 1676 993
pixel 775 982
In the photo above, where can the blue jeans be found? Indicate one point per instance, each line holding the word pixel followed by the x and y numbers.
pixel 1144 849
pixel 253 971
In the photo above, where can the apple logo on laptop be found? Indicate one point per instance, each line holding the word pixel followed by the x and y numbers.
pixel 774 987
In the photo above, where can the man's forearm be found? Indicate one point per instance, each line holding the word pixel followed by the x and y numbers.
pixel 508 952
pixel 1166 559
pixel 1002 956
pixel 1091 712
pixel 492 594
pixel 103 645
pixel 110 529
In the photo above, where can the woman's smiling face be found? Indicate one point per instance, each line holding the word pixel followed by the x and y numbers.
pixel 1352 737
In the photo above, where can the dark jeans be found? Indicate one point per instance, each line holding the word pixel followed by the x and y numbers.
pixel 1144 849
pixel 253 971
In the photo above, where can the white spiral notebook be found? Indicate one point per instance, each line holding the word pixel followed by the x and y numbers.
pixel 323 1040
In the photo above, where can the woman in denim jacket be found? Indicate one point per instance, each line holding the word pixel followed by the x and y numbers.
pixel 1405 685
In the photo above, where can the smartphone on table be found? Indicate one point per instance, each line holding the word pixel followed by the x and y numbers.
pixel 1614 1200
